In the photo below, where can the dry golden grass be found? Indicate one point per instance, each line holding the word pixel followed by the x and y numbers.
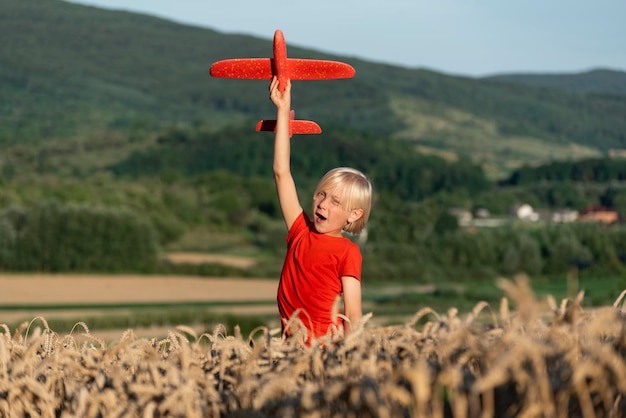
pixel 540 359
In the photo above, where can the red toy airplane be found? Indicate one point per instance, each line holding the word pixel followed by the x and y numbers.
pixel 284 69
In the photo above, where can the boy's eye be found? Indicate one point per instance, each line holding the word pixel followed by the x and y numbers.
pixel 333 200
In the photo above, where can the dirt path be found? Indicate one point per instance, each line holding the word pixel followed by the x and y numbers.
pixel 200 258
pixel 67 289
pixel 23 297
pixel 33 293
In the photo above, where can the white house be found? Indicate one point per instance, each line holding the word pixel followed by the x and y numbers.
pixel 524 211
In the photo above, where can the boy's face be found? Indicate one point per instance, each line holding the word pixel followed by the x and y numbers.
pixel 329 214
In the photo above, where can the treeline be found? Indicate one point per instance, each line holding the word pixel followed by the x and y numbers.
pixel 405 241
pixel 584 171
pixel 54 237
pixel 123 225
pixel 409 248
pixel 222 183
pixel 393 166
pixel 551 196
pixel 591 82
pixel 105 224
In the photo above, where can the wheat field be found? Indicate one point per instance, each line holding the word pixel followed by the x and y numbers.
pixel 524 358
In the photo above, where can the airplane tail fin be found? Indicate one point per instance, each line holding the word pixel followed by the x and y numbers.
pixel 304 127
pixel 295 126
pixel 266 125
pixel 309 69
pixel 250 68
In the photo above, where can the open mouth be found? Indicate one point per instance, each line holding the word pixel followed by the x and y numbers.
pixel 320 217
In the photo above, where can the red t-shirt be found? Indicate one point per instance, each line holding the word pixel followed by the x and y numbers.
pixel 311 276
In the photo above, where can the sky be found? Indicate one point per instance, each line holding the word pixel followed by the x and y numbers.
pixel 459 37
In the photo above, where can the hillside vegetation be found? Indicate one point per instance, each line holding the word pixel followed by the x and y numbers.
pixel 594 81
pixel 73 71
pixel 112 118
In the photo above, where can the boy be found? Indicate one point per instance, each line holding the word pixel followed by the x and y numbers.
pixel 321 264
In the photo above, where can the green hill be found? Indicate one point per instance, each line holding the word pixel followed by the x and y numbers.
pixel 81 75
pixel 602 81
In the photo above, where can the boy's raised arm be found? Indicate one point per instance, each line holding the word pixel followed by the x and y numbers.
pixel 285 185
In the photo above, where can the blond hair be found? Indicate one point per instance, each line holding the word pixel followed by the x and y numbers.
pixel 355 192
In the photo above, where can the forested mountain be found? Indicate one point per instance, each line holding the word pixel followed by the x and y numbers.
pixel 601 81
pixel 69 71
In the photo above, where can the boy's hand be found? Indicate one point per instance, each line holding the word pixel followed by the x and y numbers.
pixel 282 100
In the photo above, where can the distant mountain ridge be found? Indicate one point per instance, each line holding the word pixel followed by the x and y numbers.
pixel 594 81
pixel 73 71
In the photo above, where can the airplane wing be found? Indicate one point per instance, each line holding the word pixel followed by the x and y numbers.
pixel 297 69
pixel 249 68
pixel 308 69
pixel 295 126
pixel 304 127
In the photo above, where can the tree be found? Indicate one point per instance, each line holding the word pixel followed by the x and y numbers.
pixel 446 222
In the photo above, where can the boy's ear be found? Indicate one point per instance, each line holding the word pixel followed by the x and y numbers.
pixel 355 214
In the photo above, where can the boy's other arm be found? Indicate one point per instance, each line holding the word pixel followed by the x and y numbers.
pixel 285 185
pixel 351 302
